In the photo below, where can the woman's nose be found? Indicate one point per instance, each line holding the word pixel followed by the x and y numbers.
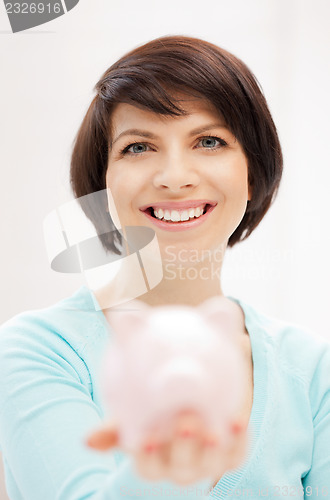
pixel 175 174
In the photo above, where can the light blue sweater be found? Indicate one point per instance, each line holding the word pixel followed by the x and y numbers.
pixel 49 402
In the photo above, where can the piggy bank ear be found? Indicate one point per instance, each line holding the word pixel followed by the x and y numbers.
pixel 221 313
pixel 128 319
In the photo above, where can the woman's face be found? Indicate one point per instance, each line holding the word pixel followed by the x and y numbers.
pixel 162 168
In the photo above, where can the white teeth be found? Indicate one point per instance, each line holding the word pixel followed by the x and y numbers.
pixel 176 215
pixel 184 215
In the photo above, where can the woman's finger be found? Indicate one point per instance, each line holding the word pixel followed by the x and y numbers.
pixel 103 439
pixel 238 452
pixel 149 460
pixel 184 455
pixel 213 461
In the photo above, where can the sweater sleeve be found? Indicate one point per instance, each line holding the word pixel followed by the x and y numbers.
pixel 46 413
pixel 317 481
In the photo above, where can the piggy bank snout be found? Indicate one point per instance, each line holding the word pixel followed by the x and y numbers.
pixel 180 370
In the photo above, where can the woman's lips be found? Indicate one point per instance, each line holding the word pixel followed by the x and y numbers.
pixel 178 205
pixel 179 226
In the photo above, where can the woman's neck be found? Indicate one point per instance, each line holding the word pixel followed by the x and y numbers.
pixel 186 283
pixel 189 285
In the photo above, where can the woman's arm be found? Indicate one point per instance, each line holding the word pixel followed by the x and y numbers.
pixel 46 413
pixel 316 483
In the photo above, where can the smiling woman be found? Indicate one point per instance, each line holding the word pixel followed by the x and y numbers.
pixel 179 175
pixel 180 133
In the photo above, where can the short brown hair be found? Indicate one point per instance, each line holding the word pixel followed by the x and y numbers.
pixel 147 77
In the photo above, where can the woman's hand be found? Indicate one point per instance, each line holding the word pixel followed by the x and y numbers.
pixel 191 455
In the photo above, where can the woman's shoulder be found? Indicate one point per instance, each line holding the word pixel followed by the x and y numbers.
pixel 73 320
pixel 296 349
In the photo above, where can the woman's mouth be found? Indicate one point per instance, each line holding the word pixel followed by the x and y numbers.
pixel 179 219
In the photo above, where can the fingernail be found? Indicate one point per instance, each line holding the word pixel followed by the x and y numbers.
pixel 236 428
pixel 210 441
pixel 149 448
pixel 186 433
pixel 90 441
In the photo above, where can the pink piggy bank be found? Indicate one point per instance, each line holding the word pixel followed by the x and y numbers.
pixel 165 359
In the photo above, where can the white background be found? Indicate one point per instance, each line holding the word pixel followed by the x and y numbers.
pixel 47 79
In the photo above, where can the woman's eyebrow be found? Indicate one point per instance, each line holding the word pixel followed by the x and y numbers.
pixel 149 135
pixel 209 126
pixel 135 131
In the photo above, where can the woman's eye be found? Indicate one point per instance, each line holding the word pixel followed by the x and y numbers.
pixel 136 148
pixel 212 142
